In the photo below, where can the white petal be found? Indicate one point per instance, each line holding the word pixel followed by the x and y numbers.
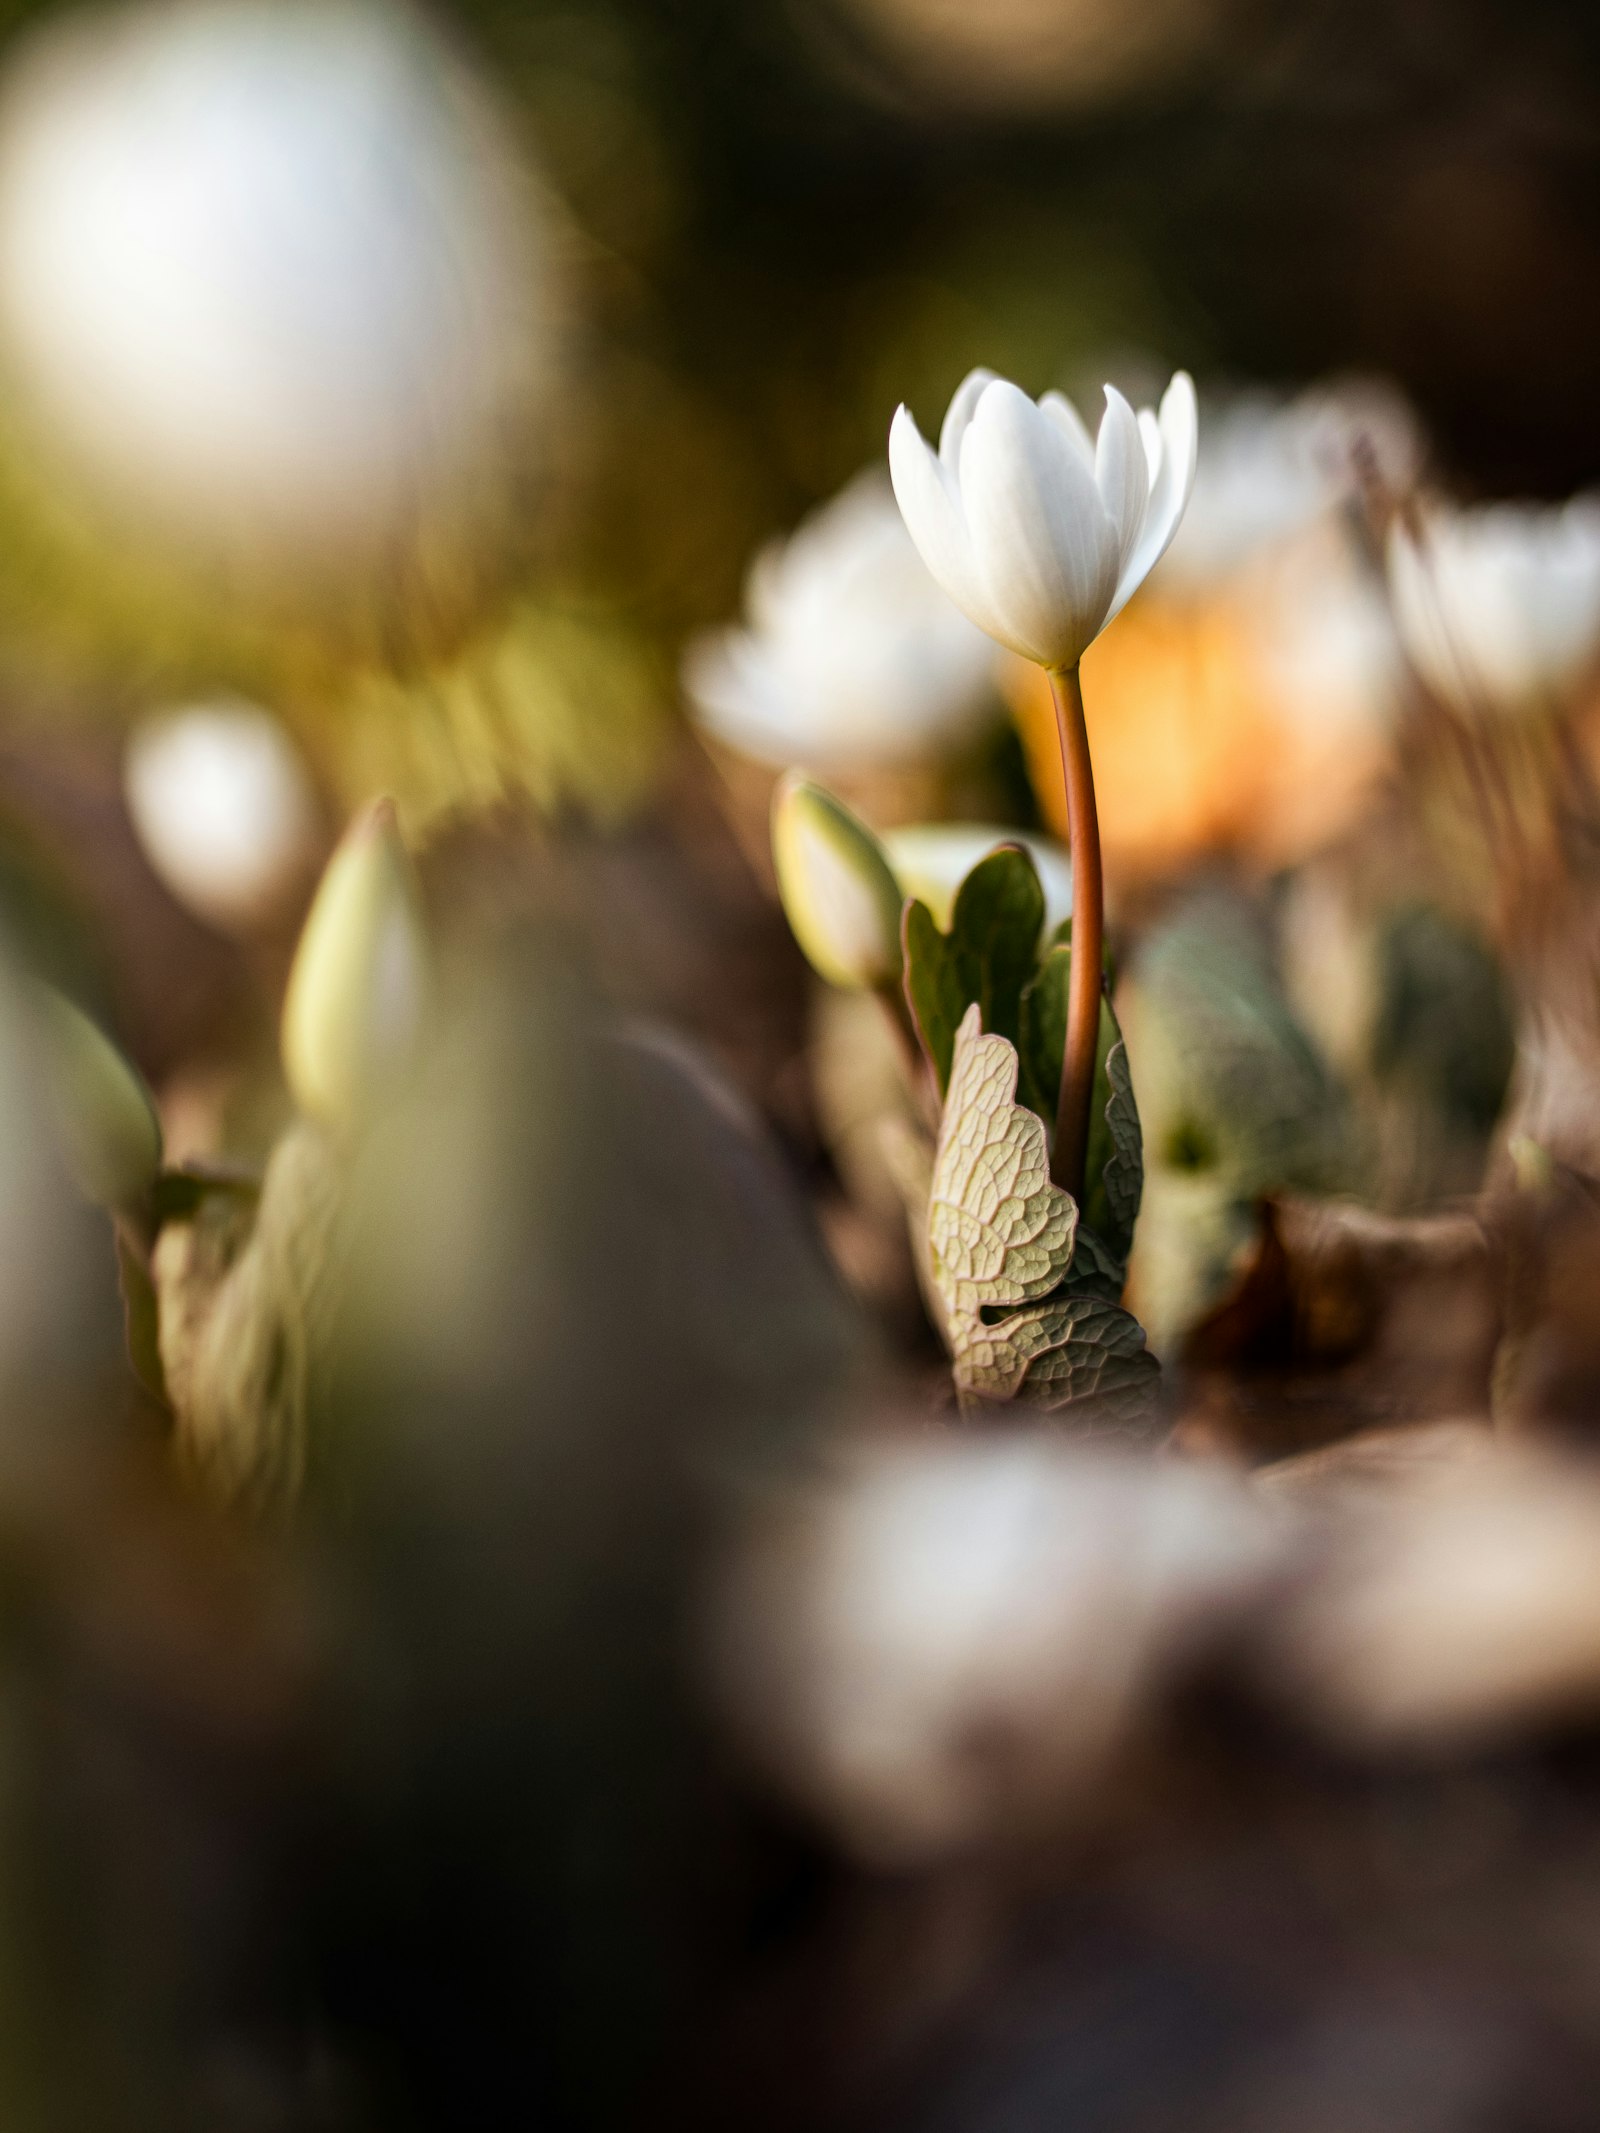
pixel 1061 410
pixel 765 582
pixel 1122 473
pixel 960 412
pixel 1046 554
pixel 934 518
pixel 1150 438
pixel 1169 495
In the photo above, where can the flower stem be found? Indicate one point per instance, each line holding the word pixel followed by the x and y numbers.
pixel 1069 1153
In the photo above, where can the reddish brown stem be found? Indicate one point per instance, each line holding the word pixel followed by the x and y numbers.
pixel 1069 1154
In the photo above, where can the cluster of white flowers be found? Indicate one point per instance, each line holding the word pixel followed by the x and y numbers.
pixel 1039 534
pixel 1271 534
pixel 852 657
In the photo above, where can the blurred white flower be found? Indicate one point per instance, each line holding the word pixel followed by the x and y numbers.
pixel 852 659
pixel 1269 468
pixel 932 859
pixel 1325 642
pixel 955 1634
pixel 1038 532
pixel 1500 607
pixel 1247 701
pixel 263 266
pixel 1265 527
pixel 223 807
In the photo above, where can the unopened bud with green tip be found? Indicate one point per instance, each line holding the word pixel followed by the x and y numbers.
pixel 105 1116
pixel 838 889
pixel 354 1003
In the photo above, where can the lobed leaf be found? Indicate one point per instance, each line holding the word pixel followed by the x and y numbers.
pixel 1001 1238
pixel 999 1231
pixel 1074 1350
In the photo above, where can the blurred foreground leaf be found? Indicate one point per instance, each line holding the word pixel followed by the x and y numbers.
pixel 1236 1101
pixel 585 1312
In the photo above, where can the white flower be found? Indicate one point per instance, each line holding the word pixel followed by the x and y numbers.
pixel 1036 532
pixel 932 859
pixel 1500 606
pixel 852 659
pixel 222 806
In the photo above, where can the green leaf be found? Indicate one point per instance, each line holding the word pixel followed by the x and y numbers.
pixel 1095 1269
pixel 1001 1239
pixel 1229 1081
pixel 1235 1100
pixel 1076 1351
pixel 1116 1148
pixel 1115 1165
pixel 985 960
pixel 932 985
pixel 1042 1033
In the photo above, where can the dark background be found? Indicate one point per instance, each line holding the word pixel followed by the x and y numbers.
pixel 797 220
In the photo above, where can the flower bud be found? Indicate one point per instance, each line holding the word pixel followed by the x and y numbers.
pixel 841 898
pixel 355 994
pixel 105 1118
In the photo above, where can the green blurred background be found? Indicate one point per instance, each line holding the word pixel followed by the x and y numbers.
pixel 773 222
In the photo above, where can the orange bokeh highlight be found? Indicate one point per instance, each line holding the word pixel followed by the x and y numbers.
pixel 1199 746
